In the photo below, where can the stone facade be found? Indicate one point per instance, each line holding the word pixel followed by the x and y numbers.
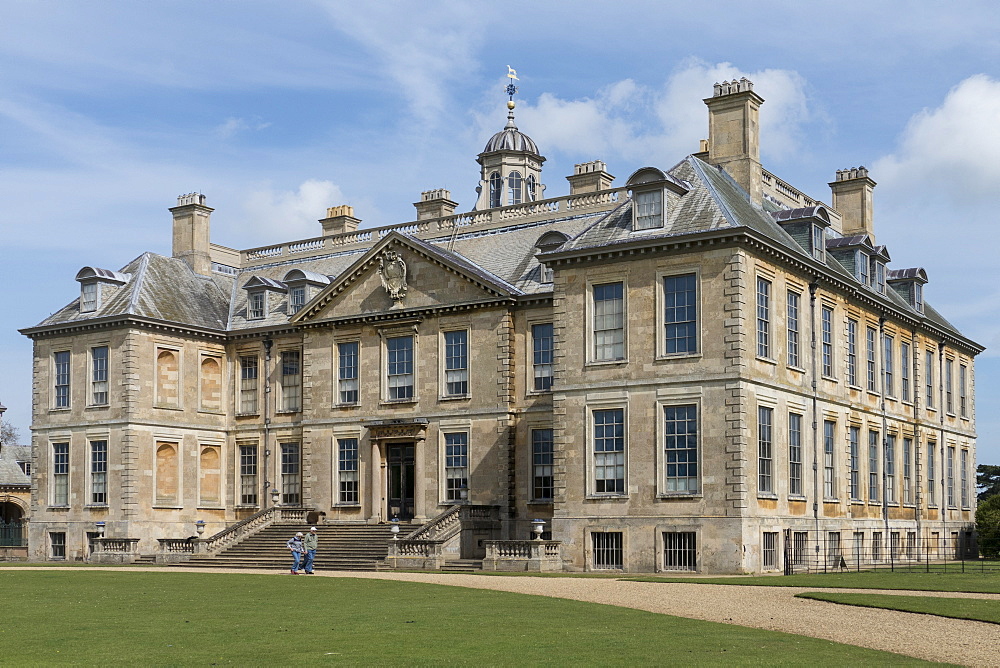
pixel 671 374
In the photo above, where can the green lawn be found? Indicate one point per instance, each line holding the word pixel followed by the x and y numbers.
pixel 988 583
pixel 151 618
pixel 960 608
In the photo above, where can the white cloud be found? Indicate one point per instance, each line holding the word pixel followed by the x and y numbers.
pixel 291 214
pixel 935 204
pixel 957 143
pixel 658 125
pixel 233 126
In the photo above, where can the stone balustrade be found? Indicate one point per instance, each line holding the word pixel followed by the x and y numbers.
pixel 522 555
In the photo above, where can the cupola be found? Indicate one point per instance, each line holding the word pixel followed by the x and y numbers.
pixel 511 166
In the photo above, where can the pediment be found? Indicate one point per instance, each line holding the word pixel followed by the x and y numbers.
pixel 404 274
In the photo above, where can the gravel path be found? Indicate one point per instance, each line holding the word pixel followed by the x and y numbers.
pixel 773 608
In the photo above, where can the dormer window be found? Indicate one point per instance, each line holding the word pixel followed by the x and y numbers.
pixel 918 296
pixel 648 209
pixel 863 268
pixel 302 286
pixel 880 277
pixel 296 299
pixel 648 187
pixel 89 297
pixel 96 284
pixel 546 243
pixel 818 243
pixel 256 305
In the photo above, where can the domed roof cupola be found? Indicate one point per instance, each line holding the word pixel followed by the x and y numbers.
pixel 510 139
pixel 511 164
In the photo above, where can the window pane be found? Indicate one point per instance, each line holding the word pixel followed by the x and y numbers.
pixel 609 322
pixel 541 349
pixel 248 475
pixel 648 209
pixel 248 384
pixel 291 480
pixel 347 470
pixel 609 451
pixel 400 367
pixel 456 362
pixel 62 379
pixel 681 448
pixel 347 373
pixel 291 380
pixel 681 316
pixel 98 472
pixel 456 455
pixel 541 464
pixel 763 318
pixel 99 376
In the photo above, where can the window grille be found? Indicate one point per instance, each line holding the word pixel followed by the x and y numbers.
pixel 680 551
pixel 608 552
pixel 680 297
pixel 800 542
pixel 770 550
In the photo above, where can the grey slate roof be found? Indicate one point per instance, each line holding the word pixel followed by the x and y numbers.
pixel 166 289
pixel 10 472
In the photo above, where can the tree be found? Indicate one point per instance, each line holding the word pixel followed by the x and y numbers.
pixel 988 526
pixel 9 434
pixel 987 481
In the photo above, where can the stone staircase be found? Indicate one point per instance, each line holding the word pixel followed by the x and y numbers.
pixel 342 547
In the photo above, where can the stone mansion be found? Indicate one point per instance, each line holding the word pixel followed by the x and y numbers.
pixel 694 370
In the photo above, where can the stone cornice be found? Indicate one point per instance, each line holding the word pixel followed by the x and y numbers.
pixel 118 321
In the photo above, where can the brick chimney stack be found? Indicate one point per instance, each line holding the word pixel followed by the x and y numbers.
pixel 852 198
pixel 734 134
pixel 339 219
pixel 191 232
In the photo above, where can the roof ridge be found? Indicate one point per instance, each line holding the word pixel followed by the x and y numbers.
pixel 140 276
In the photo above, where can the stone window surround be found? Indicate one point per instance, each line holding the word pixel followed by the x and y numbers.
pixel 218 356
pixel 390 331
pixel 238 379
pixel 674 396
pixel 605 401
pixel 220 446
pixel 177 440
pixel 662 274
pixel 179 351
pixel 277 356
pixel 238 475
pixel 589 314
pixel 342 432
pixel 445 427
pixel 92 436
pixel 529 365
pixel 353 337
pixel 445 328
pixel 61 438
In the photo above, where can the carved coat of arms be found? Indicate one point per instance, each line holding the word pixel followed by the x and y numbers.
pixel 392 271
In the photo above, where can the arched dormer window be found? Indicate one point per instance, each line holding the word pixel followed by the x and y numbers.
pixel 514 193
pixel 529 188
pixel 549 241
pixel 496 189
pixel 649 187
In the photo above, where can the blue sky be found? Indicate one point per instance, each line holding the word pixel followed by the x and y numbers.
pixel 276 111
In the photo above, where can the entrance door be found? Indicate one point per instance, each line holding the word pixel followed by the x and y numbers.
pixel 399 460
